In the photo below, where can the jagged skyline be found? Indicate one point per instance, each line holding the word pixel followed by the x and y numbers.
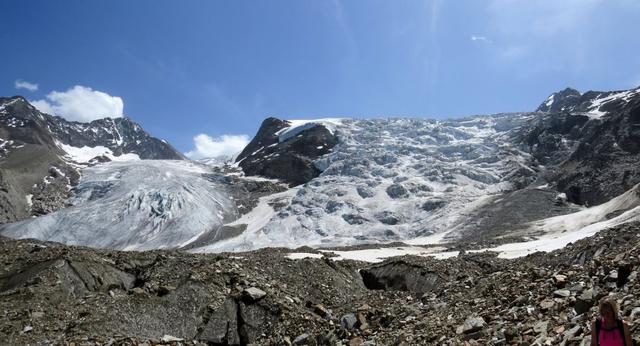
pixel 203 75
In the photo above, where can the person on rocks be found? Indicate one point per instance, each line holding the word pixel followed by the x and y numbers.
pixel 609 329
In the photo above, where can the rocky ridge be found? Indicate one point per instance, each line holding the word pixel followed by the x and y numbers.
pixel 290 159
pixel 590 145
pixel 39 155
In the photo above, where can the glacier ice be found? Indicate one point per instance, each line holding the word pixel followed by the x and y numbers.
pixel 393 180
pixel 136 205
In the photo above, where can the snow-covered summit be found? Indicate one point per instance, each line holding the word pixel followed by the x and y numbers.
pixel 594 104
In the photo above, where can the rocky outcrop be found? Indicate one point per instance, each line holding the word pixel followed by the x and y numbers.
pixel 53 191
pixel 590 151
pixel 290 160
pixel 400 276
pixel 572 101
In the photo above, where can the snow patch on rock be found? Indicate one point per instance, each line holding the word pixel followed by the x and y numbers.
pixel 86 154
pixel 297 126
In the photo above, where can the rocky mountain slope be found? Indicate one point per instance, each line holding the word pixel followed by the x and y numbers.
pixel 592 143
pixel 55 294
pixel 39 155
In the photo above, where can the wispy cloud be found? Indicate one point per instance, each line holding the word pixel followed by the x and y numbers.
pixel 225 145
pixel 21 84
pixel 480 39
pixel 82 104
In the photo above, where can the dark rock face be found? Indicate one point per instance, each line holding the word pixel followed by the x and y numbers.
pixel 238 323
pixel 572 101
pixel 605 163
pixel 290 160
pixel 592 159
pixel 399 276
pixel 265 137
pixel 121 135
pixel 221 329
pixel 565 99
pixel 50 194
pixel 26 161
pixel 552 138
pixel 77 278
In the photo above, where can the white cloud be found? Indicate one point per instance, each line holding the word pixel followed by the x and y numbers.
pixel 225 145
pixel 480 38
pixel 82 104
pixel 43 106
pixel 21 84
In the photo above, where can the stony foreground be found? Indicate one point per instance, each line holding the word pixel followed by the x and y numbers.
pixel 53 294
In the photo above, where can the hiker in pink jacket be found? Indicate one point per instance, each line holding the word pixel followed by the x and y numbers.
pixel 609 329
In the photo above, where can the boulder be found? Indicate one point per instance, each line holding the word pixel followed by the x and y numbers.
pixel 348 321
pixel 253 293
pixel 562 293
pixel 471 325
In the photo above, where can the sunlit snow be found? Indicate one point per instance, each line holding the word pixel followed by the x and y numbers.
pixel 85 154
pixel 136 205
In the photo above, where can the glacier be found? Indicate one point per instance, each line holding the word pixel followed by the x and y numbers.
pixel 391 180
pixel 135 205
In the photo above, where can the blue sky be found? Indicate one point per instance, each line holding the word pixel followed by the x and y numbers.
pixel 218 68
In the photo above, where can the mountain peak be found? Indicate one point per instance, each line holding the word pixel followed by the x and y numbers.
pixel 560 100
pixel 568 91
